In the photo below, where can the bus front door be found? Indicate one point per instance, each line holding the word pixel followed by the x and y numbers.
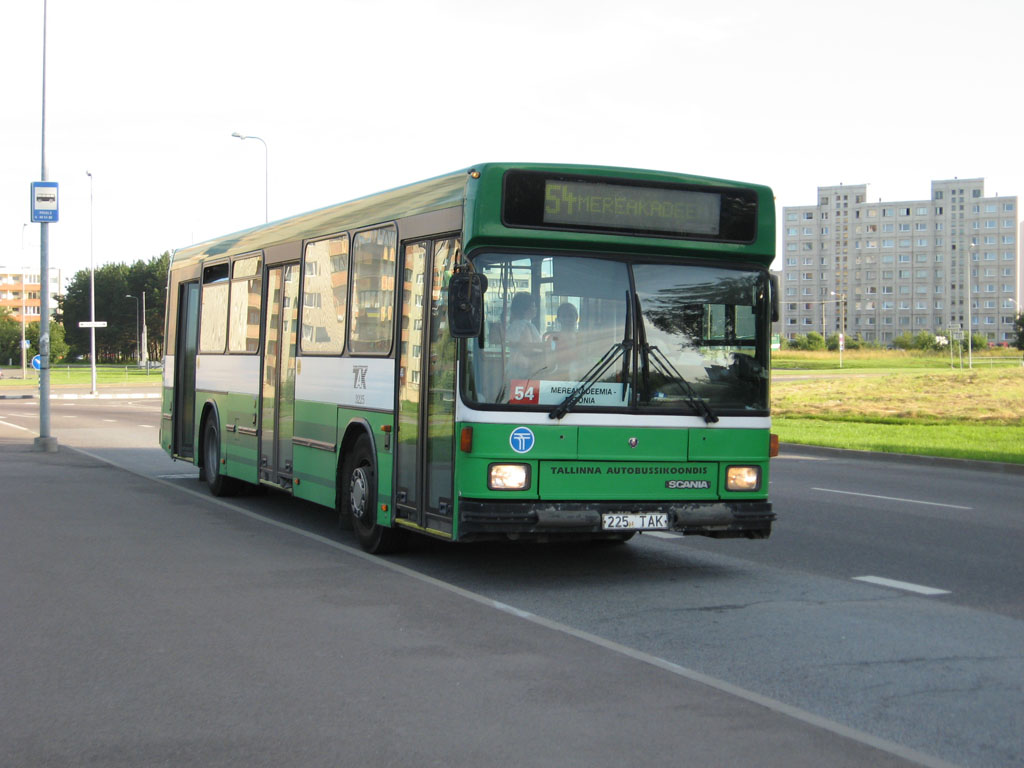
pixel 277 413
pixel 425 387
pixel 183 417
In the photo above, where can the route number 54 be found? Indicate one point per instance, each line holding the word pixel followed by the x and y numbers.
pixel 523 391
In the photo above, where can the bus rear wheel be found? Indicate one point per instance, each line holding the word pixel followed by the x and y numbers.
pixel 219 484
pixel 359 500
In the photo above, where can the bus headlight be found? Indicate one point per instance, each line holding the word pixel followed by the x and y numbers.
pixel 743 478
pixel 508 477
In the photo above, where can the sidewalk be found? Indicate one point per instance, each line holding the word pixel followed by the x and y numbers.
pixel 150 624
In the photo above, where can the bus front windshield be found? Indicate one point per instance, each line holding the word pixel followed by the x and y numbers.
pixel 571 333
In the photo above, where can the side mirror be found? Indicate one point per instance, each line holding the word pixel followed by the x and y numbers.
pixel 466 304
pixel 775 297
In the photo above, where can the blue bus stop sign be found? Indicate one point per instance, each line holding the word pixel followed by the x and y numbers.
pixel 44 202
pixel 37 362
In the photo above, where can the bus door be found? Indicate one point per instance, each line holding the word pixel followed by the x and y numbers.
pixel 278 379
pixel 183 417
pixel 425 388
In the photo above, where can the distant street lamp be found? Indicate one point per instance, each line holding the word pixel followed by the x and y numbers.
pixel 24 307
pixel 266 173
pixel 138 338
pixel 970 326
pixel 92 293
pixel 842 324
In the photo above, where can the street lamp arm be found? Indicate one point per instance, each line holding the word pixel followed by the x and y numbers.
pixel 266 172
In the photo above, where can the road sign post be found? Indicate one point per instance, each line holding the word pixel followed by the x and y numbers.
pixel 94 324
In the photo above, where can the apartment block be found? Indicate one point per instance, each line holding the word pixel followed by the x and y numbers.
pixel 21 292
pixel 881 269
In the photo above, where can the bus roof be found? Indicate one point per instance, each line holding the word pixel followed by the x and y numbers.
pixel 480 189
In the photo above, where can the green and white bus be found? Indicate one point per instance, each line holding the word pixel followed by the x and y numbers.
pixel 511 351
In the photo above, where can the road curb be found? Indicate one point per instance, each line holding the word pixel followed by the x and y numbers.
pixel 903 458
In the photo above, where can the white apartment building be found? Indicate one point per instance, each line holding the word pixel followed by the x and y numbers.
pixel 887 268
pixel 20 291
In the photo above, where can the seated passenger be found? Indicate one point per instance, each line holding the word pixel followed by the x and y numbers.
pixel 564 341
pixel 523 339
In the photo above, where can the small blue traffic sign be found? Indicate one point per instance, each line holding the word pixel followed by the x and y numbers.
pixel 44 202
pixel 37 362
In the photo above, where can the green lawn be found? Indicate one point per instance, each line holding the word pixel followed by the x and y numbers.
pixel 81 376
pixel 917 408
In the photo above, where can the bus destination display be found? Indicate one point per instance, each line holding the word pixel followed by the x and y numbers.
pixel 687 211
pixel 595 205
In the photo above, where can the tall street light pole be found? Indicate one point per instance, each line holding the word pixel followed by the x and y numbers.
pixel 92 294
pixel 266 173
pixel 45 442
pixel 138 338
pixel 24 307
pixel 841 298
pixel 970 327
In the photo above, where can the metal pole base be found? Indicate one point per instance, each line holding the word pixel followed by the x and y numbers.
pixel 45 444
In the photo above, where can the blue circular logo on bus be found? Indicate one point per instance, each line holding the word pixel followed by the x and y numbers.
pixel 521 439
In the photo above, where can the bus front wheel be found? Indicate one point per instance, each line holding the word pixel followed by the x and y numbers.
pixel 359 499
pixel 220 485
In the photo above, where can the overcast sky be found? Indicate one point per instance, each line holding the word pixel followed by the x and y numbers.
pixel 355 96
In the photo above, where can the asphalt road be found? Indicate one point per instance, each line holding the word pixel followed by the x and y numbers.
pixel 889 598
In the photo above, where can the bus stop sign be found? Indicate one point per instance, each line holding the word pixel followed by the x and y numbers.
pixel 44 202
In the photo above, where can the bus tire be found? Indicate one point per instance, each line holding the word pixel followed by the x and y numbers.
pixel 219 484
pixel 359 500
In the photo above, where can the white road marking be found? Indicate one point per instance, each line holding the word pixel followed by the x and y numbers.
pixel 111 421
pixel 662 534
pixel 147 426
pixel 891 498
pixel 801 458
pixel 904 585
pixel 15 426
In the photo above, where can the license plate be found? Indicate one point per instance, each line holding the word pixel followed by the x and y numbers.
pixel 631 522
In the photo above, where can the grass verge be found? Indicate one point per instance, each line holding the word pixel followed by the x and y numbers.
pixel 960 441
pixel 974 414
pixel 78 376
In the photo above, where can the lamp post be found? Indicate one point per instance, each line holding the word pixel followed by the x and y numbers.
pixel 841 298
pixel 92 294
pixel 266 173
pixel 970 326
pixel 138 339
pixel 143 341
pixel 46 442
pixel 24 308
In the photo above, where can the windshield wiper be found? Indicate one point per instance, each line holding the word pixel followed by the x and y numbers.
pixel 648 353
pixel 621 348
pixel 669 372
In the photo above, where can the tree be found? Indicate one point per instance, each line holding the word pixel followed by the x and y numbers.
pixel 1019 322
pixel 114 283
pixel 10 340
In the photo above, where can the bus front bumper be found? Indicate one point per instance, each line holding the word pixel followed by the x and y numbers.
pixel 487 519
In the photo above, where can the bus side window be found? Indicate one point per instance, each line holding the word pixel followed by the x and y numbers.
pixel 325 296
pixel 213 310
pixel 246 305
pixel 372 309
